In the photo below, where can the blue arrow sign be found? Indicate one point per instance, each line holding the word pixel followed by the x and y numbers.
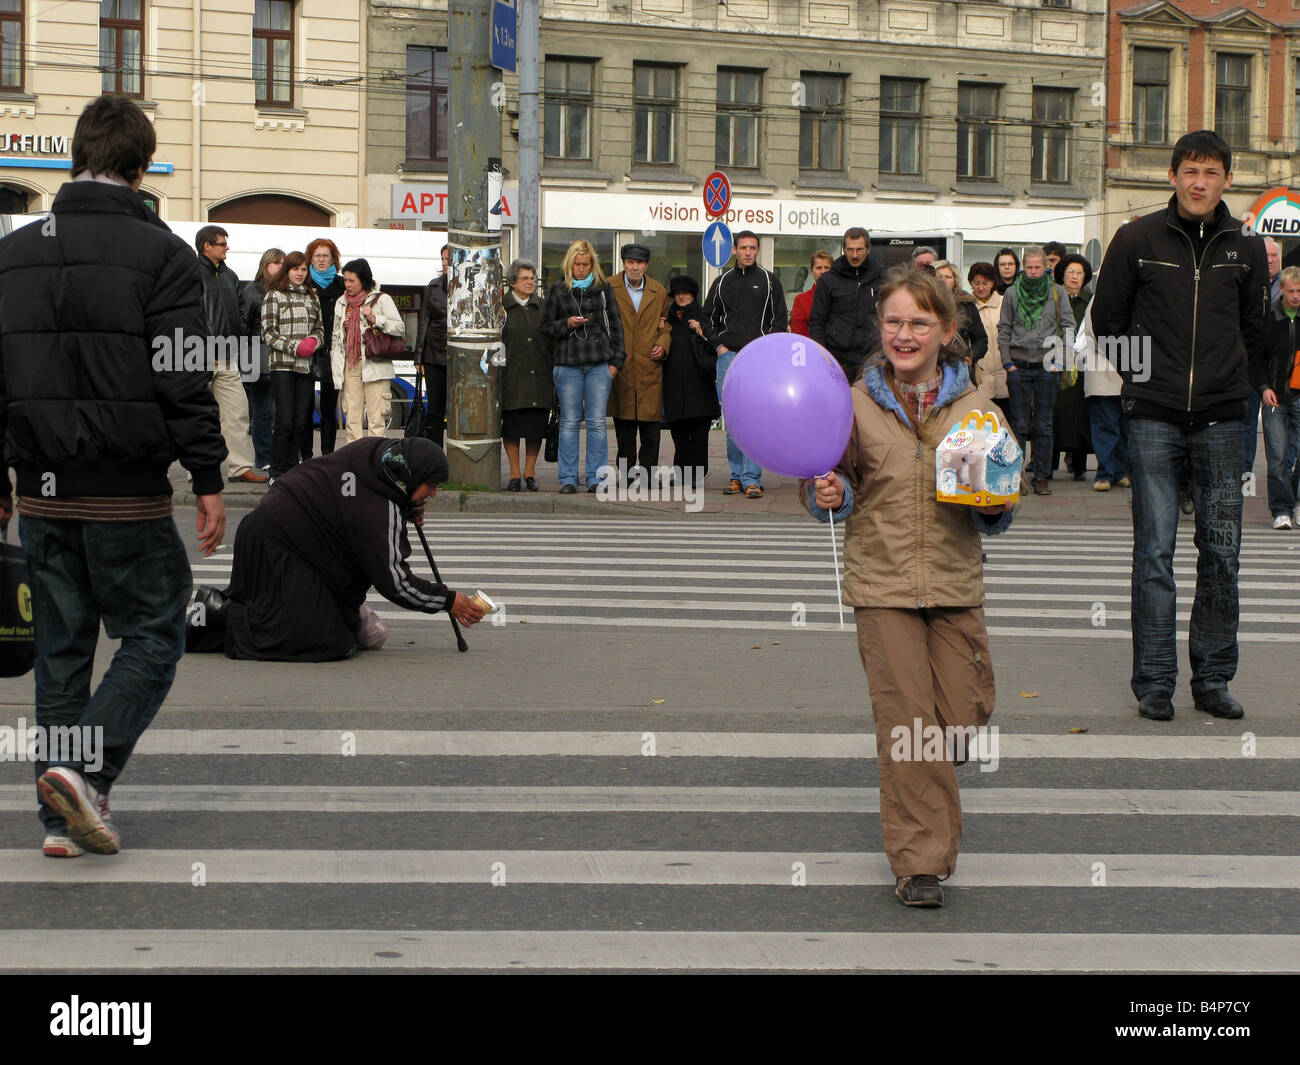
pixel 717 244
pixel 504 33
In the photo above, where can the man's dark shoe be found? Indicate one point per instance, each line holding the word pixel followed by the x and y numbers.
pixel 568 489
pixel 1218 702
pixel 921 890
pixel 1041 487
pixel 1156 706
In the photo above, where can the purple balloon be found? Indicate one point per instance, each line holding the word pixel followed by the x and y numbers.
pixel 788 405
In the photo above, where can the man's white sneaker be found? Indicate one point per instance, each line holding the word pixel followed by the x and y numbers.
pixel 90 825
pixel 1283 521
pixel 1295 514
pixel 61 847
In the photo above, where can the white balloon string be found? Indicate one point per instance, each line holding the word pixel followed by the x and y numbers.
pixel 835 554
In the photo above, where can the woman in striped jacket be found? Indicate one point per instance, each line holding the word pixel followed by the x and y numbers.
pixel 292 330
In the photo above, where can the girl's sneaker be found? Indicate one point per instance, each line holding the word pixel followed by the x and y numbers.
pixel 61 847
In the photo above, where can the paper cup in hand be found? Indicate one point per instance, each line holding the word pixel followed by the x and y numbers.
pixel 484 603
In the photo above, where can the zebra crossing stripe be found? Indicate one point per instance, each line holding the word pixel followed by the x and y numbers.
pixel 663 868
pixel 228 798
pixel 372 949
pixel 669 744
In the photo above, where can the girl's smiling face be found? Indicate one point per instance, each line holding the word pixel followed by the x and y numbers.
pixel 911 337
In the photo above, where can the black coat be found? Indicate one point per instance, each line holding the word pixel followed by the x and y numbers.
pixel 220 298
pixel 971 327
pixel 85 307
pixel 432 327
pixel 1201 332
pixel 744 304
pixel 251 295
pixel 526 377
pixel 328 297
pixel 690 369
pixel 843 318
pixel 1282 341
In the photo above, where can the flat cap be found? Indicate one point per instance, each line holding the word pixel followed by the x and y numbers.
pixel 635 251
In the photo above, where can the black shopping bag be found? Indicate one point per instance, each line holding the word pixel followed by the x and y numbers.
pixel 417 417
pixel 17 634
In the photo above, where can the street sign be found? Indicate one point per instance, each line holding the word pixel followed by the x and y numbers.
pixel 717 194
pixel 717 244
pixel 505 30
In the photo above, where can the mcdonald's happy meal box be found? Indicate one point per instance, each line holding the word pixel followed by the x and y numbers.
pixel 978 463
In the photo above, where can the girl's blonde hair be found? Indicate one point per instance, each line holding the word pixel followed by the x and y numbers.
pixel 930 294
pixel 271 255
pixel 582 247
pixel 958 292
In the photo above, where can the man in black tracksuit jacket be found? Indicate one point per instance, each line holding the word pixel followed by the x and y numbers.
pixel 1182 293
pixel 844 319
pixel 744 303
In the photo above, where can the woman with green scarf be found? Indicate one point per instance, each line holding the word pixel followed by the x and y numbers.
pixel 1035 337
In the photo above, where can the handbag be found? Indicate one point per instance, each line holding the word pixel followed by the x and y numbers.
pixel 552 450
pixel 17 633
pixel 417 418
pixel 378 344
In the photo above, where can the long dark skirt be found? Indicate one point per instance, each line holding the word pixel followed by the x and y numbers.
pixel 280 609
pixel 1071 425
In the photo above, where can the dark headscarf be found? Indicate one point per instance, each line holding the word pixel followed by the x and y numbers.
pixel 406 464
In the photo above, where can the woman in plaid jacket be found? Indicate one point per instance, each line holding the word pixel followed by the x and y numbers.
pixel 582 317
pixel 292 330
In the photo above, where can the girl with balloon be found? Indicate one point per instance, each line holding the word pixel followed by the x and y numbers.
pixel 913 565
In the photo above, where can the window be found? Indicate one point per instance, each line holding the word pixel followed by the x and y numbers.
pixel 426 105
pixel 821 120
pixel 656 114
pixel 11 45
pixel 568 109
pixel 900 126
pixel 121 30
pixel 1297 103
pixel 1150 95
pixel 1050 157
pixel 1056 3
pixel 976 146
pixel 1232 99
pixel 273 52
pixel 739 99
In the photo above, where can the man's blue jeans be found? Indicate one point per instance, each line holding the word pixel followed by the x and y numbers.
pixel 584 392
pixel 135 577
pixel 743 468
pixel 1213 457
pixel 1281 440
pixel 1109 437
pixel 1033 407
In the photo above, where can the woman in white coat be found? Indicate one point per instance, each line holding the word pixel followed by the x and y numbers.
pixel 364 384
pixel 1101 385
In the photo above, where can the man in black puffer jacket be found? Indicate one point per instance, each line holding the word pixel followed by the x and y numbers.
pixel 843 318
pixel 1181 300
pixel 101 309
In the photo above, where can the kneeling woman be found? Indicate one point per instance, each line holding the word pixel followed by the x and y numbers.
pixel 913 573
pixel 326 532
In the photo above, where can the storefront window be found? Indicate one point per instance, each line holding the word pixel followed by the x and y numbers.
pixel 671 254
pixel 555 242
pixel 792 261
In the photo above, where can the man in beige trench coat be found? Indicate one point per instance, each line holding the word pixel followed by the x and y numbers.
pixel 637 399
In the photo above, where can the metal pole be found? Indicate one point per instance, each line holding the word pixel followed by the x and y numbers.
pixel 474 312
pixel 529 231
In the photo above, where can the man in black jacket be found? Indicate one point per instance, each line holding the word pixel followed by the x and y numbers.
pixel 1280 391
pixel 221 305
pixel 744 303
pixel 1181 299
pixel 843 318
pixel 97 306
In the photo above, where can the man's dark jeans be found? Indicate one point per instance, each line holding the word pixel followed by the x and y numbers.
pixel 135 577
pixel 1033 406
pixel 1213 456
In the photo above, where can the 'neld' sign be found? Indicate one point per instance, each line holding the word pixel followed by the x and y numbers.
pixel 1275 214
pixel 34 143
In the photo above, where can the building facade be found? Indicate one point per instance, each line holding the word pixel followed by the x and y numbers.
pixel 257 103
pixel 1201 64
pixel 968 125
